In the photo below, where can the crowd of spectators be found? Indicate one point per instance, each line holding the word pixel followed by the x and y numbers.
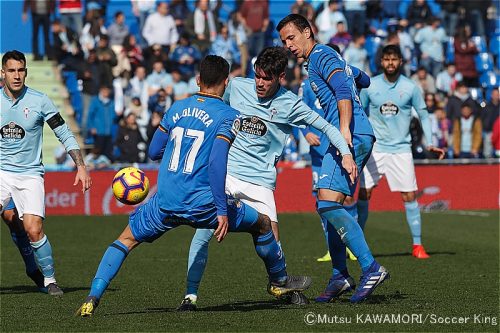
pixel 128 80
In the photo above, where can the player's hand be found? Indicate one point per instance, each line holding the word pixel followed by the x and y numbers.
pixel 438 151
pixel 312 139
pixel 346 133
pixel 350 167
pixel 221 230
pixel 83 176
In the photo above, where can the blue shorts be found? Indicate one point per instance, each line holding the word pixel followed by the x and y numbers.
pixel 333 176
pixel 148 222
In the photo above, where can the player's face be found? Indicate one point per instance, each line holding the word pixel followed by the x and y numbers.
pixel 265 85
pixel 294 40
pixel 391 64
pixel 14 74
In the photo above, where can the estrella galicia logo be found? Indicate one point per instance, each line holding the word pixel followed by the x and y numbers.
pixel 254 126
pixel 12 131
pixel 389 109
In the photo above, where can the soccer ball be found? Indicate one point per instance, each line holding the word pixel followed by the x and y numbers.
pixel 130 186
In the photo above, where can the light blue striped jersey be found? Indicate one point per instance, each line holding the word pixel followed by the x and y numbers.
pixel 322 62
pixel 389 107
pixel 265 127
pixel 21 126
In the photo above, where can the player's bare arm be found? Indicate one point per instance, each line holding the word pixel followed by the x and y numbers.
pixel 345 116
pixel 81 175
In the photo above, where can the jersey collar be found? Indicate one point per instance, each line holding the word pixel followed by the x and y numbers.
pixel 208 95
pixel 25 88
pixel 309 52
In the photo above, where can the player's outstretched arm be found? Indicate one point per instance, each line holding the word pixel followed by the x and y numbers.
pixel 81 174
pixel 158 143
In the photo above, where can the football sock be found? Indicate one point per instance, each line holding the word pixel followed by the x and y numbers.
pixel 43 256
pixel 352 210
pixel 348 230
pixel 269 251
pixel 198 256
pixel 108 268
pixel 337 251
pixel 414 221
pixel 23 244
pixel 362 212
pixel 324 225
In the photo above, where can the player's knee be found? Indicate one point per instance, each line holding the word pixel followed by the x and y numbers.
pixel 364 194
pixel 263 225
pixel 8 216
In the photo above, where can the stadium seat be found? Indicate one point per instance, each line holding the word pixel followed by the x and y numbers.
pixel 476 94
pixel 495 45
pixel 484 62
pixel 372 44
pixel 480 43
pixel 488 80
pixel 450 50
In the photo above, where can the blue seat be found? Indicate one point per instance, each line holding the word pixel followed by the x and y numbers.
pixel 450 50
pixel 484 62
pixel 495 45
pixel 489 80
pixel 476 94
pixel 372 44
pixel 480 43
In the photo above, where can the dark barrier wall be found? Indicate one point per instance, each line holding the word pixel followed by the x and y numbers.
pixel 440 187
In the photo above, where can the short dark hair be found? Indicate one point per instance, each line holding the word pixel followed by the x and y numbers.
pixel 392 49
pixel 299 21
pixel 213 70
pixel 272 60
pixel 13 54
pixel 118 13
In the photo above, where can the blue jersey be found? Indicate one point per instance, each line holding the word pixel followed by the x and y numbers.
pixel 389 106
pixel 193 125
pixel 21 127
pixel 310 99
pixel 322 63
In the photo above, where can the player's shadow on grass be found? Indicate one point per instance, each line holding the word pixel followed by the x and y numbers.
pixel 12 290
pixel 408 254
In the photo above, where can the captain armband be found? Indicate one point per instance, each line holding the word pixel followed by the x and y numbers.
pixel 55 121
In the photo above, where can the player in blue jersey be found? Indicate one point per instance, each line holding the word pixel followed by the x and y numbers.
pixel 389 102
pixel 193 142
pixel 268 114
pixel 23 114
pixel 333 83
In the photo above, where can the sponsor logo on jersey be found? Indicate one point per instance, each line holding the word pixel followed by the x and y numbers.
pixel 389 109
pixel 254 126
pixel 12 131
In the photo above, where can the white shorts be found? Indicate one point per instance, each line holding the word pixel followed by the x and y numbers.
pixel 398 168
pixel 256 196
pixel 27 192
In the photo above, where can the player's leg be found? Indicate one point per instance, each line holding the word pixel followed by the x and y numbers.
pixel 20 238
pixel 316 169
pixel 352 208
pixel 370 176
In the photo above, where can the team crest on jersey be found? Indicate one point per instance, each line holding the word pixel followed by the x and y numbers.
pixel 12 131
pixel 273 112
pixel 389 109
pixel 236 126
pixel 26 112
pixel 314 87
pixel 254 126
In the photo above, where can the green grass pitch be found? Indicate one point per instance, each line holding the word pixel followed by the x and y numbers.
pixel 460 280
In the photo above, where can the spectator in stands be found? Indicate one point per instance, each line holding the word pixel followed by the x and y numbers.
pixel 159 102
pixel 450 15
pixel 70 12
pixel 179 87
pixel 159 79
pixel 342 38
pixel 407 46
pixel 467 133
pixel 327 20
pixel 154 122
pixel 355 13
pixel 460 96
pixel 424 80
pixel 107 60
pixel 40 17
pixel 160 28
pixel 186 57
pixel 237 32
pixel 118 31
pixel 431 102
pixel 418 13
pixel 201 25
pixel 91 81
pixel 474 13
pixel 489 115
pixel 431 39
pixel 180 12
pixel 441 129
pixel 95 160
pixel 101 118
pixel 465 50
pixel 254 15
pixel 66 49
pixel 303 8
pixel 92 31
pixel 133 51
pixel 356 54
pixel 138 85
pixel 495 137
pixel 129 140
pixel 447 80
pixel 141 10
pixel 142 114
pixel 153 54
pixel 225 46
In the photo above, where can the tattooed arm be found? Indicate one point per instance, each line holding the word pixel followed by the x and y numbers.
pixel 81 174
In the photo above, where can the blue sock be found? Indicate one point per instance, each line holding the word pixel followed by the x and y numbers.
pixel 362 213
pixel 324 225
pixel 337 251
pixel 198 256
pixel 352 210
pixel 108 268
pixel 43 256
pixel 23 244
pixel 348 229
pixel 269 251
pixel 414 221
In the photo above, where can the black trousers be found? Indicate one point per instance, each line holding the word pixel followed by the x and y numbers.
pixel 44 22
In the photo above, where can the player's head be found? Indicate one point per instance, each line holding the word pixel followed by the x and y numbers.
pixel 270 70
pixel 392 59
pixel 214 72
pixel 296 34
pixel 14 71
